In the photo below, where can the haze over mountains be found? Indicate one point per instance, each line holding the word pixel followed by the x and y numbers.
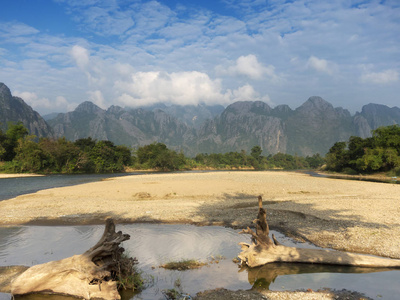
pixel 311 128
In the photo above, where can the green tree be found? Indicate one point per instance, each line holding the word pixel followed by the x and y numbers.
pixel 2 144
pixel 315 161
pixel 105 158
pixel 124 155
pixel 286 161
pixel 29 157
pixel 372 160
pixel 14 133
pixel 61 155
pixel 158 156
pixel 381 152
pixel 255 157
pixel 388 137
pixel 336 159
pixel 85 144
pixel 256 153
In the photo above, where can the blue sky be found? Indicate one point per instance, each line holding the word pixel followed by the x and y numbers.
pixel 55 54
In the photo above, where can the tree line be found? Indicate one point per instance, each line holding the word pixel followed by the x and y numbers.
pixel 21 152
pixel 379 153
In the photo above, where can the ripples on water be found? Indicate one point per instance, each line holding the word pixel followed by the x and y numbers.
pixel 156 244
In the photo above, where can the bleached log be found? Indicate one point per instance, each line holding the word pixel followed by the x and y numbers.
pixel 265 250
pixel 91 275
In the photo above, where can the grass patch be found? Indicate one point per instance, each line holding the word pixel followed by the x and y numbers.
pixel 190 264
pixel 128 276
pixel 183 265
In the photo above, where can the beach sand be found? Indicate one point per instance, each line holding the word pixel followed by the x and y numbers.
pixel 347 215
pixel 18 175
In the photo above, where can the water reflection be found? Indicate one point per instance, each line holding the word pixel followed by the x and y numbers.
pixel 156 244
pixel 262 277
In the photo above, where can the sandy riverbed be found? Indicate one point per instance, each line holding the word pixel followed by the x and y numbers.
pixel 340 214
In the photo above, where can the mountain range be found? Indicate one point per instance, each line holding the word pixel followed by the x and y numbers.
pixel 311 128
pixel 14 109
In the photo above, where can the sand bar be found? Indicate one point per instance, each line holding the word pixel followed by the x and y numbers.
pixel 341 214
pixel 18 175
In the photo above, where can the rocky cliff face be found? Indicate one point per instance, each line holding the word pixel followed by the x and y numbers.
pixel 191 115
pixel 136 127
pixel 373 116
pixel 241 126
pixel 311 128
pixel 14 109
pixel 315 126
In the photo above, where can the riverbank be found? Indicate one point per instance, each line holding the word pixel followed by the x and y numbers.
pixel 341 214
pixel 346 215
pixel 377 177
pixel 3 175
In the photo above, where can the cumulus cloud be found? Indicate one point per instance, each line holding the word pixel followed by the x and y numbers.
pixel 94 68
pixel 384 77
pixel 97 98
pixel 42 103
pixel 80 56
pixel 248 66
pixel 246 93
pixel 177 87
pixel 182 88
pixel 321 65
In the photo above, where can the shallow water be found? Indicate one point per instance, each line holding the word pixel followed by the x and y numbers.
pixel 13 187
pixel 156 244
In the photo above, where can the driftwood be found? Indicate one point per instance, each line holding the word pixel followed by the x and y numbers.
pixel 265 250
pixel 92 274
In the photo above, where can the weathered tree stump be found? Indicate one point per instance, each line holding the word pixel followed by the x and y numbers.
pixel 90 275
pixel 264 250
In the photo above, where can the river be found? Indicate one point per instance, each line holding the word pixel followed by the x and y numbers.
pixel 13 187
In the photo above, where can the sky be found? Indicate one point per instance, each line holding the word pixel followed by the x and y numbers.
pixel 56 54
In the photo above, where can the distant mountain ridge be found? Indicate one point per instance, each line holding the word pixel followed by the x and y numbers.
pixel 14 109
pixel 130 127
pixel 311 128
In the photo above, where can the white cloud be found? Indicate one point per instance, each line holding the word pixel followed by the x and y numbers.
pixel 61 101
pixel 244 93
pixel 97 98
pixel 177 87
pixel 80 56
pixel 321 65
pixel 95 68
pixel 248 66
pixel 43 103
pixel 384 77
pixel 200 52
pixel 28 97
pixel 181 88
pixel 247 93
pixel 16 29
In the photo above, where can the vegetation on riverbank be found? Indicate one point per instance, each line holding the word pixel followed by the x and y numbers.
pixel 23 153
pixel 376 154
